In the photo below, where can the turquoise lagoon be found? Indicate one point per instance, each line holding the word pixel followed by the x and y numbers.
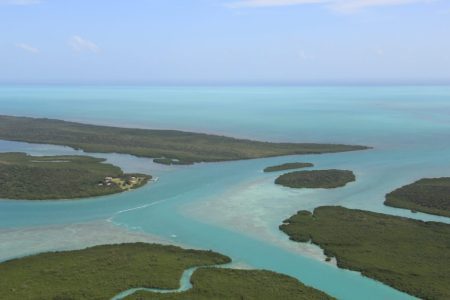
pixel 234 207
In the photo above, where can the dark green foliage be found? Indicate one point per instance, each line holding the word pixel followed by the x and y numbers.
pixel 57 177
pixel 409 255
pixel 288 166
pixel 316 179
pixel 185 147
pixel 230 284
pixel 428 195
pixel 99 272
pixel 169 161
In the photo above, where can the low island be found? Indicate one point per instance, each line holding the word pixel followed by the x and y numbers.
pixel 407 254
pixel 326 179
pixel 103 272
pixel 61 177
pixel 165 146
pixel 288 166
pixel 233 284
pixel 428 195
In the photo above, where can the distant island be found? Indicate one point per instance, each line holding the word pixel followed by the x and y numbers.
pixel 326 179
pixel 407 254
pixel 165 146
pixel 428 195
pixel 288 166
pixel 103 272
pixel 61 177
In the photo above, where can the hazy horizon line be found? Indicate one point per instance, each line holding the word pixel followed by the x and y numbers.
pixel 232 83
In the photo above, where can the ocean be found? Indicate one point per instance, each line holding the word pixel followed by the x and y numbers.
pixel 233 207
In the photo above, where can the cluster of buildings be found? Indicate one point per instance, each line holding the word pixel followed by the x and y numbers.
pixel 108 181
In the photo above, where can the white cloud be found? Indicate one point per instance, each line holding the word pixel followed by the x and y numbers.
pixel 339 5
pixel 355 5
pixel 80 44
pixel 19 2
pixel 27 48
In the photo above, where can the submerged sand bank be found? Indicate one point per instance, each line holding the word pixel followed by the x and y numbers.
pixel 25 241
pixel 255 209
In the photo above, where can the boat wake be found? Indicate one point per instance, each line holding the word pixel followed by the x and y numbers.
pixel 110 219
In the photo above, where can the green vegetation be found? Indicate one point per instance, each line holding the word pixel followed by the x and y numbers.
pixel 100 272
pixel 409 255
pixel 288 166
pixel 216 283
pixel 178 146
pixel 428 195
pixel 169 161
pixel 326 179
pixel 61 177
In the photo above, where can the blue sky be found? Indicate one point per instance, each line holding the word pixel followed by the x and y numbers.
pixel 224 41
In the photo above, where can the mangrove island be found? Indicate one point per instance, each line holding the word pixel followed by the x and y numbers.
pixel 428 195
pixel 326 179
pixel 288 166
pixel 102 272
pixel 407 254
pixel 166 146
pixel 61 177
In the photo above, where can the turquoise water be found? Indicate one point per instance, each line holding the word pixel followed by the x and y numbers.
pixel 185 284
pixel 233 207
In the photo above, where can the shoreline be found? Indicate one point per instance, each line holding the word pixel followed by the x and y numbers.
pixel 70 237
pixel 182 147
pixel 25 177
pixel 248 224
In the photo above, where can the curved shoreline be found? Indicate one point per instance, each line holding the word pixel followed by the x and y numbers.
pixel 380 246
pixel 313 179
pixel 102 271
pixel 166 146
pixel 62 177
pixel 287 166
pixel 185 285
pixel 310 281
pixel 426 195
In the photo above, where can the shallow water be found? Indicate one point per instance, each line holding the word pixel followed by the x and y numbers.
pixel 234 207
pixel 185 284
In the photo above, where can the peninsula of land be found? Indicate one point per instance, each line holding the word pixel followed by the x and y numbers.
pixel 103 272
pixel 326 179
pixel 61 177
pixel 407 254
pixel 428 195
pixel 165 146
